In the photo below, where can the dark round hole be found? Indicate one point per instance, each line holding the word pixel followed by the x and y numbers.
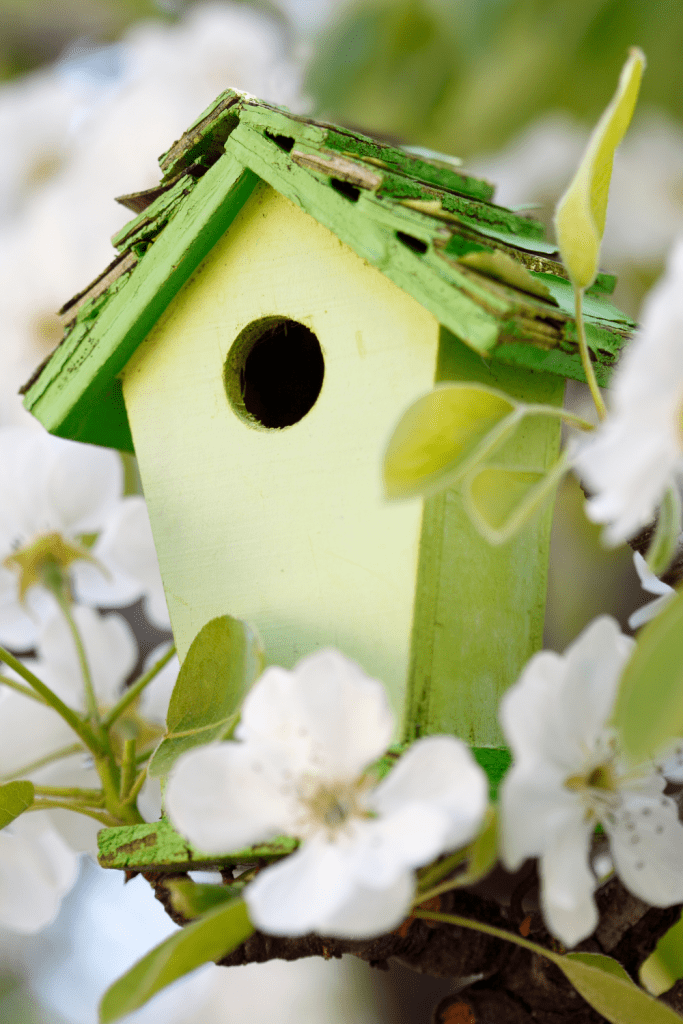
pixel 274 372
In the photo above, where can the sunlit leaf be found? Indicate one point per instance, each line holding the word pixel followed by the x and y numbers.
pixel 223 661
pixel 604 984
pixel 15 798
pixel 664 966
pixel 649 708
pixel 210 938
pixel 443 435
pixel 665 540
pixel 501 500
pixel 581 212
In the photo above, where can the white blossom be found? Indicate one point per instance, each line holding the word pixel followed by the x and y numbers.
pixel 637 452
pixel 568 775
pixel 653 585
pixel 306 738
pixel 37 869
pixel 55 496
pixel 30 731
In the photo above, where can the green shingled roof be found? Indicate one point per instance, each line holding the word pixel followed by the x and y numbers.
pixel 486 273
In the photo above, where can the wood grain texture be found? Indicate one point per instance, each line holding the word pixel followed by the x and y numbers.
pixel 285 528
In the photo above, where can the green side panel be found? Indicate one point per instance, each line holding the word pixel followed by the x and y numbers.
pixel 479 609
pixel 74 396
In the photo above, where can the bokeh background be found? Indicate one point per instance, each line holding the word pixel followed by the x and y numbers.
pixel 91 91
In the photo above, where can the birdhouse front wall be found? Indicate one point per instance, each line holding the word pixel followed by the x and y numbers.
pixel 285 527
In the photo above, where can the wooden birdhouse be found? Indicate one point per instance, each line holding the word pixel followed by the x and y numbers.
pixel 281 297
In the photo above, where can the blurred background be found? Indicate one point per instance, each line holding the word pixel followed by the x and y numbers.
pixel 91 91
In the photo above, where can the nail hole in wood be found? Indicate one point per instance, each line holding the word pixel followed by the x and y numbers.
pixel 274 373
pixel 283 141
pixel 416 244
pixel 346 189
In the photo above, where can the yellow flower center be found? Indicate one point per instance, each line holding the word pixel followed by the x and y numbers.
pixel 46 556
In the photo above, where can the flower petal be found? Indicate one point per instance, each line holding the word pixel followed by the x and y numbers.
pixel 29 730
pixel 535 807
pixel 647 847
pixel 84 484
pixel 302 891
pixel 337 718
pixel 36 870
pixel 370 912
pixel 440 773
pixel 227 796
pixel 567 885
pixel 384 847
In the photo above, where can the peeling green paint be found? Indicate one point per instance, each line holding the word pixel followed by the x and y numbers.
pixel 413 226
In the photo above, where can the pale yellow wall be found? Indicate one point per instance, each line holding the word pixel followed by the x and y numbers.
pixel 286 528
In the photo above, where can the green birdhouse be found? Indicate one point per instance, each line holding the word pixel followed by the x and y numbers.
pixel 281 297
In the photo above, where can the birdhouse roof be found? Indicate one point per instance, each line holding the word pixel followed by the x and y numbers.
pixel 486 273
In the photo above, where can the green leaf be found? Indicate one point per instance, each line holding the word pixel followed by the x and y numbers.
pixel 649 707
pixel 607 987
pixel 501 500
pixel 224 660
pixel 483 851
pixel 210 938
pixel 15 798
pixel 664 966
pixel 665 540
pixel 581 212
pixel 445 434
pixel 192 899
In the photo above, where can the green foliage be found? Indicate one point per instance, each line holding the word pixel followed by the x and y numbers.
pixel 500 500
pixel 15 798
pixel 210 938
pixel 192 899
pixel 223 661
pixel 649 708
pixel 604 984
pixel 498 65
pixel 664 966
pixel 445 434
pixel 581 212
pixel 665 540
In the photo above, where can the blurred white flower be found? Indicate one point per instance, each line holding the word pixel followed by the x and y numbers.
pixel 637 452
pixel 568 775
pixel 31 732
pixel 91 128
pixel 37 869
pixel 307 738
pixel 653 585
pixel 56 495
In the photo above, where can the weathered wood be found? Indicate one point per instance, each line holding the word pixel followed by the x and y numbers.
pixel 77 395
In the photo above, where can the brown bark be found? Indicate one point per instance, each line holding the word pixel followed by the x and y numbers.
pixel 496 981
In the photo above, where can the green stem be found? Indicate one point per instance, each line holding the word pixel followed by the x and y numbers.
pixel 25 690
pixel 68 714
pixel 134 790
pixel 434 874
pixel 102 816
pixel 487 929
pixel 135 690
pixel 57 589
pixel 564 414
pixel 94 797
pixel 586 361
pixel 127 769
pixel 57 755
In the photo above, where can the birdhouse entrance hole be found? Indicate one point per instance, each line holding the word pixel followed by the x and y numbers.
pixel 274 373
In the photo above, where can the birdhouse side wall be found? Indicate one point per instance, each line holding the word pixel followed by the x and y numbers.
pixel 287 528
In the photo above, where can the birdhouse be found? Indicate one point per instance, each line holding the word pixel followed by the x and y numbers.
pixel 281 297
